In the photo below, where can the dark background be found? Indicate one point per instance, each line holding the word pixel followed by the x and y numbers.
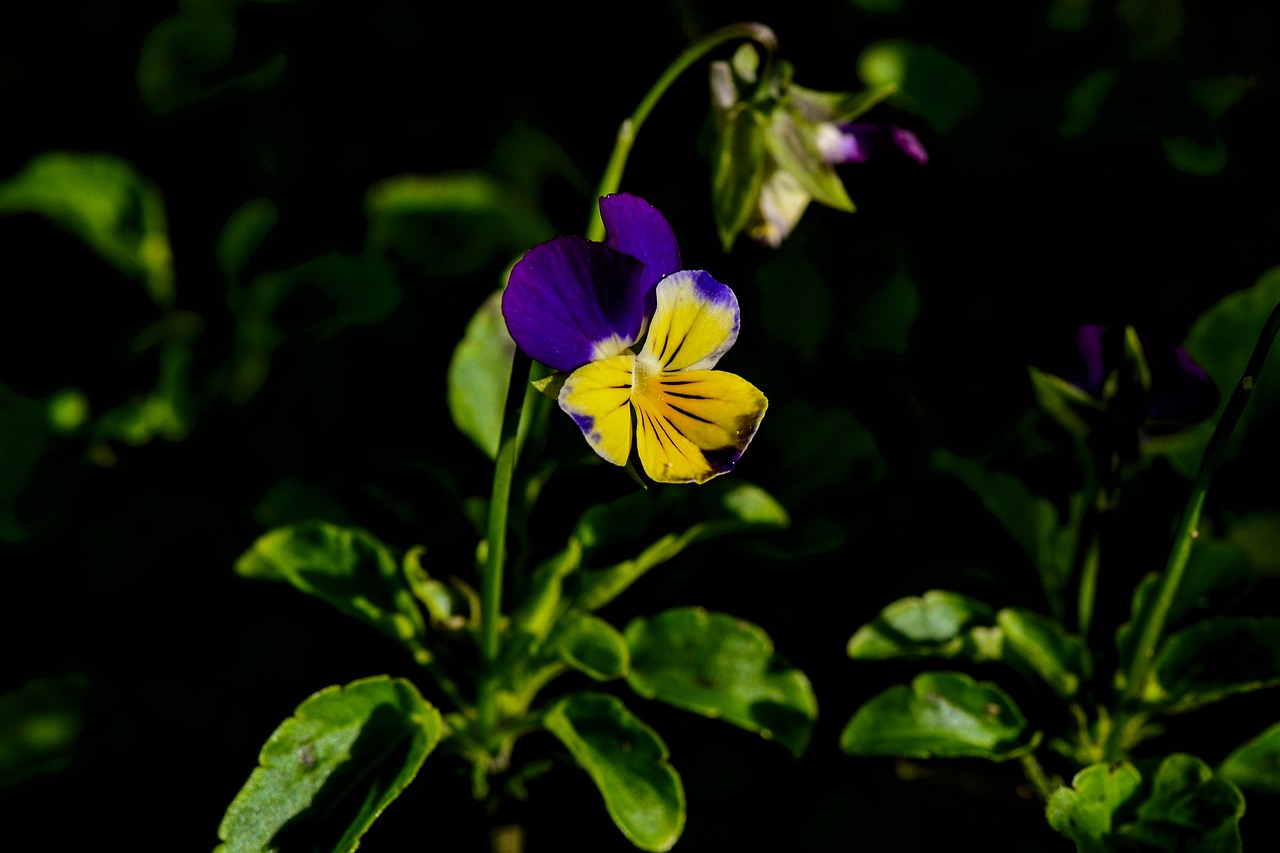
pixel 1011 236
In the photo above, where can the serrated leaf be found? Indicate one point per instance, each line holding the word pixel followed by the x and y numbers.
pixel 104 201
pixel 479 376
pixel 347 567
pixel 329 770
pixel 1214 659
pixel 1255 764
pixel 722 667
pixel 593 646
pixel 628 763
pixel 937 624
pixel 941 715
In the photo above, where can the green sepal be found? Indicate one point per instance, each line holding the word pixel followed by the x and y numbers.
pixel 737 170
pixel 627 761
pixel 347 567
pixel 1255 764
pixel 836 107
pixel 1179 805
pixel 941 715
pixel 1067 403
pixel 1213 659
pixel 328 771
pixel 592 646
pixel 722 667
pixel 791 143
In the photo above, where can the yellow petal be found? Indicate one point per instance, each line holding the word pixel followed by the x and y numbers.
pixel 695 322
pixel 694 425
pixel 597 396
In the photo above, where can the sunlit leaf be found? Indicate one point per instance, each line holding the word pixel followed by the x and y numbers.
pixel 628 763
pixel 1213 659
pixel 1255 764
pixel 1086 811
pixel 105 202
pixel 345 566
pixel 941 715
pixel 479 375
pixel 1060 658
pixel 328 771
pixel 722 667
pixel 937 624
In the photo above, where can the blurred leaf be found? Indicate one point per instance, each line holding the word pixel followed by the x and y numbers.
pixel 929 83
pixel 345 566
pixel 721 667
pixel 453 223
pixel 1221 340
pixel 1060 658
pixel 191 56
pixel 1257 537
pixel 1155 25
pixel 593 646
pixel 105 202
pixel 324 295
pixel 737 170
pixel 937 624
pixel 1255 764
pixel 1194 157
pixel 796 304
pixel 1086 811
pixel 884 321
pixel 941 715
pixel 39 467
pixel 628 763
pixel 40 724
pixel 1214 659
pixel 242 234
pixel 328 771
pixel 1031 520
pixel 1180 806
pixel 479 376
pixel 826 448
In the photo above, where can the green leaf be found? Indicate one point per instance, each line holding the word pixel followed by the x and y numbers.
pixel 1214 659
pixel 1255 764
pixel 479 375
pixel 243 233
pixel 726 507
pixel 722 667
pixel 451 224
pixel 1031 520
pixel 324 295
pixel 105 202
pixel 628 763
pixel 1045 647
pixel 40 725
pixel 937 624
pixel 591 645
pixel 1085 812
pixel 39 468
pixel 328 771
pixel 737 171
pixel 929 83
pixel 1221 341
pixel 345 566
pixel 941 715
pixel 1178 806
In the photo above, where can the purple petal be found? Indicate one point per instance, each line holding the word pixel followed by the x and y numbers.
pixel 634 226
pixel 910 144
pixel 569 297
pixel 1181 391
pixel 1096 345
pixel 861 141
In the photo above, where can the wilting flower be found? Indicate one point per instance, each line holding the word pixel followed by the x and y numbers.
pixel 1128 395
pixel 777 146
pixel 579 307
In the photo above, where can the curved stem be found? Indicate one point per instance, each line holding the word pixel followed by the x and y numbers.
pixel 1152 628
pixel 630 127
pixel 495 558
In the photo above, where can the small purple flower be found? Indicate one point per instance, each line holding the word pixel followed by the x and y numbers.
pixel 861 141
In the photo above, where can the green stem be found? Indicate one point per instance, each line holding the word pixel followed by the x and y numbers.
pixel 1036 776
pixel 630 127
pixel 1152 628
pixel 495 558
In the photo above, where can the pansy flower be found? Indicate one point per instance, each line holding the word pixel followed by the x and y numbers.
pixel 580 307
pixel 1129 395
